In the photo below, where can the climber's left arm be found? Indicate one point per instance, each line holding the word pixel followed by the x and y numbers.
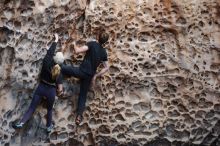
pixel 81 49
pixel 102 72
pixel 51 50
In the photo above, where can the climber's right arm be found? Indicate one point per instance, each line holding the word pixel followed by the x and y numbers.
pixel 59 89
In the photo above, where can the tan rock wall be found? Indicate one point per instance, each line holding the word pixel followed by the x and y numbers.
pixel 164 79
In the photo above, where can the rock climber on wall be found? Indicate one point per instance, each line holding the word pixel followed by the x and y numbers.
pixel 95 55
pixel 50 79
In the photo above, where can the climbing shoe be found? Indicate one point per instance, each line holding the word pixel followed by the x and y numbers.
pixel 49 129
pixel 18 125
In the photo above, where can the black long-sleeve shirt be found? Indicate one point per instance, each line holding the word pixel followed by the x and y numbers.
pixel 48 64
pixel 94 56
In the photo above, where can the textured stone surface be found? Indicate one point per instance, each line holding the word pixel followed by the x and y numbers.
pixel 163 88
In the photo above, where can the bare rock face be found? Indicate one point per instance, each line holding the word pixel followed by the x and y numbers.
pixel 163 87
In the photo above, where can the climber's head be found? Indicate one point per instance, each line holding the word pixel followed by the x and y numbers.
pixel 103 38
pixel 58 58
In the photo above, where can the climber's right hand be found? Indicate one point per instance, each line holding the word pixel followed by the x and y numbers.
pixel 56 37
pixel 60 90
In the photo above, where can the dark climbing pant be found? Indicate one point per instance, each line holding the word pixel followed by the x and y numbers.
pixel 85 81
pixel 43 90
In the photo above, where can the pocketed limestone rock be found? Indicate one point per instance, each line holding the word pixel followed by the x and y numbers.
pixel 163 83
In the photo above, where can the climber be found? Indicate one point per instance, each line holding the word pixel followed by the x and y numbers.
pixel 50 81
pixel 95 55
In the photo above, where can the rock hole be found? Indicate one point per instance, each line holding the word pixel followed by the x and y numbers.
pixel 181 20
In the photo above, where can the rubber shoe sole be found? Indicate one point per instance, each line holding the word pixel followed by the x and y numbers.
pixel 18 125
pixel 49 129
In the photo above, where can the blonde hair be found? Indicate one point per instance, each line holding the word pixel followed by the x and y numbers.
pixel 55 71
